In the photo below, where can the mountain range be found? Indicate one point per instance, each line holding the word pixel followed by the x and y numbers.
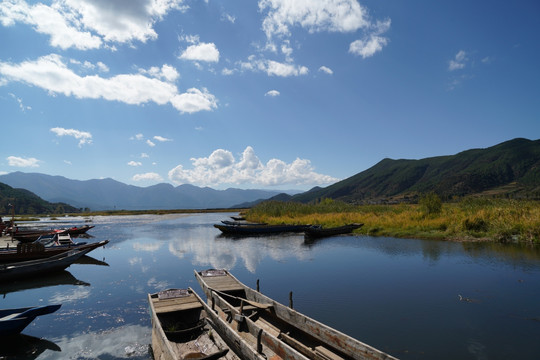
pixel 109 194
pixel 510 169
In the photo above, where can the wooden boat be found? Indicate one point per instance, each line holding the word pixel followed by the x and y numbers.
pixel 279 323
pixel 31 251
pixel 184 327
pixel 78 230
pixel 20 346
pixel 259 229
pixel 317 231
pixel 241 223
pixel 31 235
pixel 238 218
pixel 13 321
pixel 36 268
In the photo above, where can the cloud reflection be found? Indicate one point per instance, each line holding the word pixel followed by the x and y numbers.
pixel 130 341
pixel 224 253
pixel 79 293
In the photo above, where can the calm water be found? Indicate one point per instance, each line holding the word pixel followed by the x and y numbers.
pixel 401 296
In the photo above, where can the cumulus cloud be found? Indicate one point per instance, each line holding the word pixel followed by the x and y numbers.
pixel 458 62
pixel 84 137
pixel 201 52
pixel 314 16
pixel 166 72
pixel 221 167
pixel 150 143
pixel 326 70
pixel 272 93
pixel 151 176
pixel 90 24
pixel 52 74
pixel 372 42
pixel 22 162
pixel 134 163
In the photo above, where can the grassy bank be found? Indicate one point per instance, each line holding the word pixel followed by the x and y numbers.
pixel 469 220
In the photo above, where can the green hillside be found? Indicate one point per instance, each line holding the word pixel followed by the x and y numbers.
pixel 27 203
pixel 510 169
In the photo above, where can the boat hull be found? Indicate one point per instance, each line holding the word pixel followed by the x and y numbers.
pixel 23 252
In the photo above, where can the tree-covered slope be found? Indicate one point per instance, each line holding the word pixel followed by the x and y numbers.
pixel 28 203
pixel 511 169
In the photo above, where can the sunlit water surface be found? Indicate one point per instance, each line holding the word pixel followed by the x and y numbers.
pixel 401 296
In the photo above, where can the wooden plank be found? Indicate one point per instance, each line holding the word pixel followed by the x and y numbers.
pixel 169 305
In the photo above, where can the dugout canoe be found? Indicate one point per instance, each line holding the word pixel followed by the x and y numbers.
pixel 278 323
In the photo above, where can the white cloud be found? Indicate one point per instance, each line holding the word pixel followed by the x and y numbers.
pixel 144 155
pixel 272 93
pixel 228 17
pixel 161 138
pixel 88 24
pixel 326 70
pixel 150 143
pixel 84 137
pixel 51 73
pixel 137 137
pixel 194 100
pixel 273 68
pixel 373 42
pixel 458 62
pixel 314 15
pixel 201 52
pixel 134 163
pixel 151 176
pixel 166 72
pixel 22 162
pixel 222 168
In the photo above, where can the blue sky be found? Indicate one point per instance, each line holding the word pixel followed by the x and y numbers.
pixel 278 94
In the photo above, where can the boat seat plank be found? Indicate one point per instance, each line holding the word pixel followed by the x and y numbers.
pixel 178 304
pixel 223 283
pixel 324 353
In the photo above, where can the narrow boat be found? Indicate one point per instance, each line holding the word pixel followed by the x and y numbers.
pixel 78 230
pixel 259 229
pixel 32 251
pixel 36 268
pixel 13 321
pixel 279 323
pixel 183 327
pixel 241 223
pixel 317 231
pixel 31 235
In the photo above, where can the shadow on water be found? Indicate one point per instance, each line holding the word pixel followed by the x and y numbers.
pixel 25 347
pixel 59 278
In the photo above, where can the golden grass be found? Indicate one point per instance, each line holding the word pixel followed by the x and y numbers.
pixel 468 220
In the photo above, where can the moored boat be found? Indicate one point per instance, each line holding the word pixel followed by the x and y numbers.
pixel 279 323
pixel 31 251
pixel 78 230
pixel 39 267
pixel 259 229
pixel 183 327
pixel 13 321
pixel 317 231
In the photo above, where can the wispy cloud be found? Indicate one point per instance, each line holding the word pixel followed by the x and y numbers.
pixel 458 62
pixel 222 168
pixel 326 70
pixel 84 137
pixel 150 176
pixel 372 42
pixel 161 138
pixel 272 93
pixel 134 163
pixel 22 162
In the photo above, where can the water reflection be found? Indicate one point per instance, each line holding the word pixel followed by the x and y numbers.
pixel 60 278
pixel 25 347
pixel 130 341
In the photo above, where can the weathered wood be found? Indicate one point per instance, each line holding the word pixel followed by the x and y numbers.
pixel 300 327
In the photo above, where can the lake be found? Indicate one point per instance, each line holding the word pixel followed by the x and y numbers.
pixel 414 299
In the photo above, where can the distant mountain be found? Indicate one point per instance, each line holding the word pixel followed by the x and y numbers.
pixel 106 194
pixel 27 203
pixel 509 169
